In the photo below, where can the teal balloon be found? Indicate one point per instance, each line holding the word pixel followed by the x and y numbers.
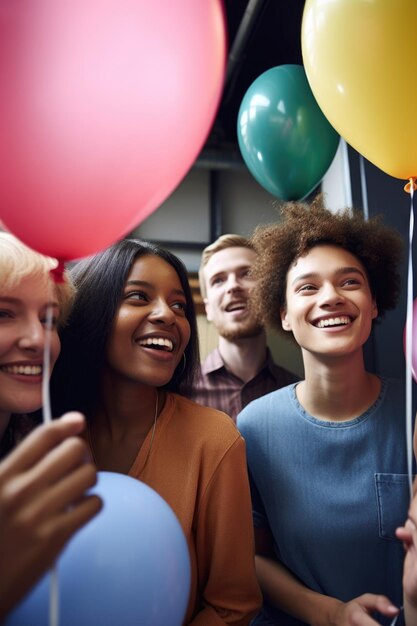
pixel 284 138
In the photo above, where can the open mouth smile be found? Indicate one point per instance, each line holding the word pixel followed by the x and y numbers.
pixel 22 370
pixel 157 343
pixel 235 306
pixel 342 320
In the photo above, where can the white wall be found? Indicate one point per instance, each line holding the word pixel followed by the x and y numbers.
pixel 336 185
pixel 185 215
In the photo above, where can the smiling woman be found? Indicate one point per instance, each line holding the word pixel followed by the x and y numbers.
pixel 128 353
pixel 26 291
pixel 43 481
pixel 151 330
pixel 332 447
pixel 328 290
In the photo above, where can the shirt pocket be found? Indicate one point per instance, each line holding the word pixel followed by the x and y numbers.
pixel 393 497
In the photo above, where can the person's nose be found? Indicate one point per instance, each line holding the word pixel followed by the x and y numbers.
pixel 162 313
pixel 32 335
pixel 331 295
pixel 233 283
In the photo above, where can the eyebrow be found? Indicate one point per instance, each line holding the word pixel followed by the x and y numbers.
pixel 10 300
pixel 216 274
pixel 228 271
pixel 144 283
pixel 340 271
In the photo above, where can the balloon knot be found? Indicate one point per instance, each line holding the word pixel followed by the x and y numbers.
pixel 411 185
pixel 57 272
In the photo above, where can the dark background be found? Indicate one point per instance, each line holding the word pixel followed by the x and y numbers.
pixel 262 34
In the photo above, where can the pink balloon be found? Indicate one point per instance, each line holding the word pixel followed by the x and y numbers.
pixel 104 106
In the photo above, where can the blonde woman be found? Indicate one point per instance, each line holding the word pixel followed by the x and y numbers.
pixel 43 481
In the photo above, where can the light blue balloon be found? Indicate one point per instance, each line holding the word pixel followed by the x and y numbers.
pixel 129 566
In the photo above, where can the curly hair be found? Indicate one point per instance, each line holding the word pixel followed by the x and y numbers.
pixel 303 226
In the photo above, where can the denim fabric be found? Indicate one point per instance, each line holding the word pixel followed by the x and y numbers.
pixel 332 493
pixel 392 491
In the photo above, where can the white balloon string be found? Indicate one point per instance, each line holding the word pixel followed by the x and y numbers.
pixel 47 417
pixel 46 401
pixel 364 187
pixel 408 347
pixel 347 186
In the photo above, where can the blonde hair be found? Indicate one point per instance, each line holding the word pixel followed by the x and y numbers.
pixel 18 261
pixel 222 243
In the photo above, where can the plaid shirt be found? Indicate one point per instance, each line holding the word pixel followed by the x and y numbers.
pixel 217 387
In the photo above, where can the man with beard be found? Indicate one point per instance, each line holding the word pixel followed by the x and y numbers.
pixel 241 368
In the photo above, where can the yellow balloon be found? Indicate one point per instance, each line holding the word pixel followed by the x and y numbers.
pixel 360 57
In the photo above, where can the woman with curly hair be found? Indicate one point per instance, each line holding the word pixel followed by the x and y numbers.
pixel 327 455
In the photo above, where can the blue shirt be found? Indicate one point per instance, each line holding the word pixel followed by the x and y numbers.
pixel 332 493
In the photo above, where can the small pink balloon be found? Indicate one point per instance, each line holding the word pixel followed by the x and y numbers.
pixel 105 104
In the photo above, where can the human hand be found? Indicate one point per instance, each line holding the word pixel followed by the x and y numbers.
pixel 42 503
pixel 358 611
pixel 408 535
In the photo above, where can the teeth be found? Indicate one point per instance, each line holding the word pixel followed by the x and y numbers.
pixel 27 370
pixel 236 307
pixel 157 341
pixel 333 321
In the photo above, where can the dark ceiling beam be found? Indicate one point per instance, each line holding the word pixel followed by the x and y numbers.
pixel 224 157
pixel 246 27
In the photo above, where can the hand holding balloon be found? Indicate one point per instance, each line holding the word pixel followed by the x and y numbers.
pixel 129 566
pixel 44 476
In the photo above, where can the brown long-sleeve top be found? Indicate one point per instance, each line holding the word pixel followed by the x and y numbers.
pixel 197 464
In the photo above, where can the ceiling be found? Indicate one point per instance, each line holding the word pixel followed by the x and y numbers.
pixel 261 34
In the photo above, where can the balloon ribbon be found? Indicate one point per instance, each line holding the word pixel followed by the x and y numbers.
pixel 410 187
pixel 57 277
